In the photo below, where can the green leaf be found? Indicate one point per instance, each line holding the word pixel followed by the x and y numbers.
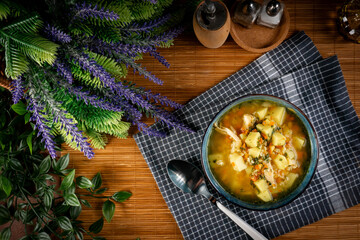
pixel 29 142
pixel 108 210
pixel 86 203
pixel 64 223
pixel 97 181
pixel 16 62
pixel 19 108
pixel 5 234
pixel 121 196
pixel 4 215
pixel 71 199
pixel 45 165
pixel 75 211
pixel 27 117
pixel 68 180
pixel 97 226
pixel 47 198
pixel 5 185
pixel 62 163
pixel 43 236
pixel 101 190
pixel 83 182
pixel 4 10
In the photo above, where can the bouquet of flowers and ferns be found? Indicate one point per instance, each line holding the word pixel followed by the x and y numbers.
pixel 69 59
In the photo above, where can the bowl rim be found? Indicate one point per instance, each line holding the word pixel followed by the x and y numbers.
pixel 316 146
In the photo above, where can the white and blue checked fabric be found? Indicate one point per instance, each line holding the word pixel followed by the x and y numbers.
pixel 294 71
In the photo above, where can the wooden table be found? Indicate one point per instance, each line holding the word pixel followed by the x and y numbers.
pixel 194 69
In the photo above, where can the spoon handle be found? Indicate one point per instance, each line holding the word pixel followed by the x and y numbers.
pixel 241 223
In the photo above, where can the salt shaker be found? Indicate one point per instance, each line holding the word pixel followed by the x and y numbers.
pixel 246 12
pixel 270 13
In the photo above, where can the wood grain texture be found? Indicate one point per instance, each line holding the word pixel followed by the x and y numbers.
pixel 194 69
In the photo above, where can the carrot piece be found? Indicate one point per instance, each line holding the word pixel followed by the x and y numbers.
pixel 258 166
pixel 233 164
pixel 254 130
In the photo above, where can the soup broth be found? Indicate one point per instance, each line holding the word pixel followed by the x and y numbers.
pixel 259 151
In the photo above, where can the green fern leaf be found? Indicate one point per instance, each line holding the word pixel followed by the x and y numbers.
pixel 16 62
pixel 85 77
pixel 97 140
pixel 28 25
pixel 4 10
pixel 115 69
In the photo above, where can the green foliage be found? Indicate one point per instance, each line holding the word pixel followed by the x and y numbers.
pixel 51 211
pixel 21 42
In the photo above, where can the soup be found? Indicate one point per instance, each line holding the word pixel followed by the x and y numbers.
pixel 259 151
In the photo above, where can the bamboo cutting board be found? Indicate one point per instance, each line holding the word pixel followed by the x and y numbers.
pixel 194 69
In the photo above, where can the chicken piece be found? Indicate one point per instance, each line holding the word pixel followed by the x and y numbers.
pixel 248 121
pixel 269 174
pixel 227 131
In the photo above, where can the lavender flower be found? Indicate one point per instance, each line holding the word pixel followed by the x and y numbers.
pixel 63 71
pixel 160 58
pixel 142 127
pixel 98 71
pixel 130 50
pixel 170 120
pixel 56 35
pixel 17 89
pixel 40 124
pixel 85 11
pixel 146 26
pixel 163 100
pixel 156 40
pixel 152 1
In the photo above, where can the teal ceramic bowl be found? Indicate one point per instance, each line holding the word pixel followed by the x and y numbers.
pixel 314 149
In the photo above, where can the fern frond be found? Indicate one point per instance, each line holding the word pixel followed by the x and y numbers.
pixel 142 10
pixel 4 10
pixel 79 28
pixel 110 65
pixel 108 34
pixel 85 77
pixel 119 130
pixel 97 140
pixel 16 62
pixel 28 25
pixel 34 46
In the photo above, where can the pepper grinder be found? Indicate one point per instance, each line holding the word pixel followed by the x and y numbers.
pixel 246 12
pixel 271 13
pixel 211 23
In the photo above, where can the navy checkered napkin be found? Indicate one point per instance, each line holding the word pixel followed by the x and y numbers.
pixel 294 71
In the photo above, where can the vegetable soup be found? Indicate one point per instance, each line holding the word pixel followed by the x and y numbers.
pixel 259 151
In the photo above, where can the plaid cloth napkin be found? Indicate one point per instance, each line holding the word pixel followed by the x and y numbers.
pixel 294 71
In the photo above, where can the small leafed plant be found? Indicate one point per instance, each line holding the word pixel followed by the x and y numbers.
pixel 30 189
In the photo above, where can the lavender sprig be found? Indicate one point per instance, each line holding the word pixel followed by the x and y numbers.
pixel 40 124
pixel 160 58
pixel 156 40
pixel 84 11
pixel 56 35
pixel 151 1
pixel 147 26
pixel 17 89
pixel 63 71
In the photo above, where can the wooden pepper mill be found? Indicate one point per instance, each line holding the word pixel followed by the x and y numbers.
pixel 211 23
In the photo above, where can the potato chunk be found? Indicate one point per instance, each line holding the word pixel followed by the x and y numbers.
pixel 281 162
pixel 298 142
pixel 237 162
pixel 252 139
pixel 290 179
pixel 267 130
pixel 278 139
pixel 266 196
pixel 254 152
pixel 278 114
pixel 261 113
pixel 261 185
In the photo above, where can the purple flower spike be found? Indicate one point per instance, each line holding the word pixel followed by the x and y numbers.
pixel 160 58
pixel 17 89
pixel 85 11
pixel 40 124
pixel 147 26
pixel 152 1
pixel 63 71
pixel 56 35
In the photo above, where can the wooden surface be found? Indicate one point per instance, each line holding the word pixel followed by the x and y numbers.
pixel 194 69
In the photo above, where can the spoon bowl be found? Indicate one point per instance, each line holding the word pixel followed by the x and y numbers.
pixel 190 179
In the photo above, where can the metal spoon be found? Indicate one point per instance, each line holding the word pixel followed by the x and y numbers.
pixel 190 179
